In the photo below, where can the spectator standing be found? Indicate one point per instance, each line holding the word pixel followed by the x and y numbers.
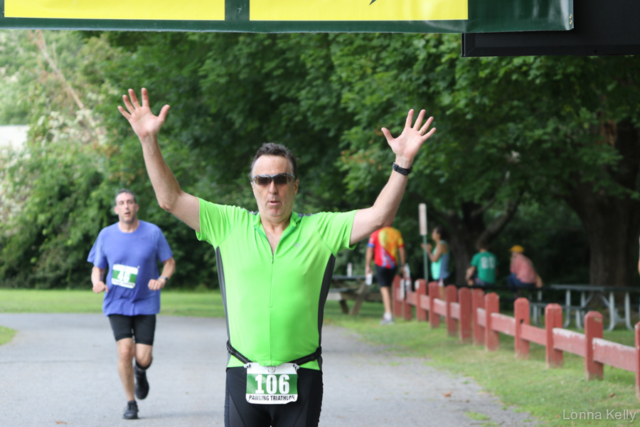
pixel 439 256
pixel 384 247
pixel 482 271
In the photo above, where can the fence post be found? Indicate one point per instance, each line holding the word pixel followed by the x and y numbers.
pixel 521 313
pixel 421 289
pixel 464 298
pixel 406 307
pixel 552 319
pixel 451 293
pixel 491 337
pixel 397 302
pixel 434 292
pixel 592 329
pixel 477 301
pixel 638 360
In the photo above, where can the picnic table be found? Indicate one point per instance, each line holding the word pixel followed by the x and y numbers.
pixel 587 294
pixel 606 294
pixel 359 293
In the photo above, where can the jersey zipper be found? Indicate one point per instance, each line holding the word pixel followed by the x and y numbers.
pixel 273 256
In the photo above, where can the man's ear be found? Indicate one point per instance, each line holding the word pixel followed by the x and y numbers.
pixel 297 185
pixel 137 207
pixel 115 209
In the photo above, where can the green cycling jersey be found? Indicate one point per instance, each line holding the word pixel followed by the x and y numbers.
pixel 274 301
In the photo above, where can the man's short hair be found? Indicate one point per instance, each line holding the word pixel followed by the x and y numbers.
pixel 124 190
pixel 273 149
pixel 483 244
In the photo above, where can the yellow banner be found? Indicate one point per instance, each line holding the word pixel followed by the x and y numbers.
pixel 358 10
pixel 184 10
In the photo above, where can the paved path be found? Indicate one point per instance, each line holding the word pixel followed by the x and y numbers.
pixel 60 369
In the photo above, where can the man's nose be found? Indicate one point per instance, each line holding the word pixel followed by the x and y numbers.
pixel 273 188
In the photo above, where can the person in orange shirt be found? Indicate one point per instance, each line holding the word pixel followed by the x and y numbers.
pixel 523 274
pixel 384 247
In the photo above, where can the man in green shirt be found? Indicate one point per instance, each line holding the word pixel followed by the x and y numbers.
pixel 482 271
pixel 274 268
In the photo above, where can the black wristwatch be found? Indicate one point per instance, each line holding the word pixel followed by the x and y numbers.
pixel 166 279
pixel 400 170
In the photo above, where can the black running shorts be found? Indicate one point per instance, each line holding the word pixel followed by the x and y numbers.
pixel 385 276
pixel 303 413
pixel 143 327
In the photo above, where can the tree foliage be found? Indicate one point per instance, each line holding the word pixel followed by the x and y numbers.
pixel 542 133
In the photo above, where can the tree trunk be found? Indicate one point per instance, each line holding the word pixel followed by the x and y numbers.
pixel 612 222
pixel 470 229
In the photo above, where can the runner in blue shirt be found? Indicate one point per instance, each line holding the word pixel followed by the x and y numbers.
pixel 131 249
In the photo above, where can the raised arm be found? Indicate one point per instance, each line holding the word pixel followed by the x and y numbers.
pixel 168 192
pixel 405 147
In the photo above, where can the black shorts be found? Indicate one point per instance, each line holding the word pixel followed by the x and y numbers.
pixel 385 276
pixel 143 327
pixel 303 413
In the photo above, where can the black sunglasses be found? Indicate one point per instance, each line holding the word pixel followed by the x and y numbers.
pixel 278 179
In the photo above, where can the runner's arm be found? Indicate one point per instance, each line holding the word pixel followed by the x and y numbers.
pixel 168 192
pixel 97 280
pixel 367 260
pixel 405 147
pixel 167 271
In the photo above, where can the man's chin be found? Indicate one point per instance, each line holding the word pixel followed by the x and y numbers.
pixel 276 213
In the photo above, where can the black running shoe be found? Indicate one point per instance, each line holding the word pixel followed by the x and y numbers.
pixel 142 385
pixel 131 412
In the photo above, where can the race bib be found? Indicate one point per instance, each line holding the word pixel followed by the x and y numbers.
pixel 272 385
pixel 125 276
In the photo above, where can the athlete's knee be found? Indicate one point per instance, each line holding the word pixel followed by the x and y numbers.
pixel 126 351
pixel 143 355
pixel 143 361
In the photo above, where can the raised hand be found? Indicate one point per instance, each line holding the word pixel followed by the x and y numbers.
pixel 407 145
pixel 142 120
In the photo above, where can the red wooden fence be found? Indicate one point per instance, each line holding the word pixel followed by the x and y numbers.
pixel 475 318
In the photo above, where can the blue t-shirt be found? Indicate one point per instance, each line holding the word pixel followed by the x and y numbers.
pixel 133 261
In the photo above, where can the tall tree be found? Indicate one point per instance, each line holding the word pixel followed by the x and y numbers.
pixel 573 123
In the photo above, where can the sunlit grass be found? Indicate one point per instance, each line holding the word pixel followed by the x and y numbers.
pixel 550 395
pixel 175 303
pixel 6 335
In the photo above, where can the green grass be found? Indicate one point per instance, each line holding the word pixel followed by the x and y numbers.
pixel 476 416
pixel 173 303
pixel 6 335
pixel 527 384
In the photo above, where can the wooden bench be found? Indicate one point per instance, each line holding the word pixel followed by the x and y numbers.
pixel 358 294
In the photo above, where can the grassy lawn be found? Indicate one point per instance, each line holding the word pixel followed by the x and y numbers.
pixel 6 335
pixel 175 303
pixel 550 395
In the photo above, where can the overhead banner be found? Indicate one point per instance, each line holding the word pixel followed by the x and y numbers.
pixel 278 16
